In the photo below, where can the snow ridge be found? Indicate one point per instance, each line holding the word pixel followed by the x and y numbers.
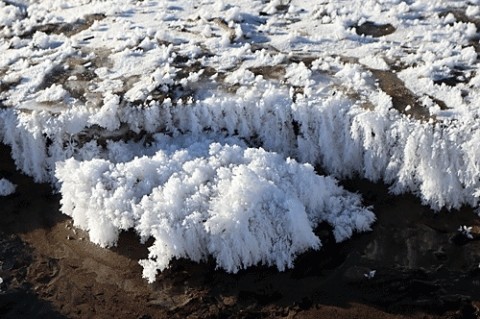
pixel 439 162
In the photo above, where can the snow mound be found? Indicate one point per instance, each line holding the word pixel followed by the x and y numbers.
pixel 6 187
pixel 243 206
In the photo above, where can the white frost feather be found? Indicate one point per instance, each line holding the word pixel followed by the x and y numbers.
pixel 6 187
pixel 242 206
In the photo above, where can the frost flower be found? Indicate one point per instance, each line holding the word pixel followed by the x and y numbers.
pixel 466 231
pixel 370 274
pixel 243 206
pixel 6 187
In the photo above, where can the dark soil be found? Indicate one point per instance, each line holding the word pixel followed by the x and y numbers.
pixel 424 268
pixel 402 98
pixel 374 30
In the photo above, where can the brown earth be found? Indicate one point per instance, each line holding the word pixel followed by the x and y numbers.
pixel 424 268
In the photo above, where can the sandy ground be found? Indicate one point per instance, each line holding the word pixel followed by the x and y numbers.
pixel 424 268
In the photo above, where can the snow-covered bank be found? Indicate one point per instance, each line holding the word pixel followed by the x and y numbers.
pixel 386 90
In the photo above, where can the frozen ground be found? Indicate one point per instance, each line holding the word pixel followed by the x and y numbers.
pixel 386 90
pixel 424 268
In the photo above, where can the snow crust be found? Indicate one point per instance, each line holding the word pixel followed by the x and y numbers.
pixel 385 90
